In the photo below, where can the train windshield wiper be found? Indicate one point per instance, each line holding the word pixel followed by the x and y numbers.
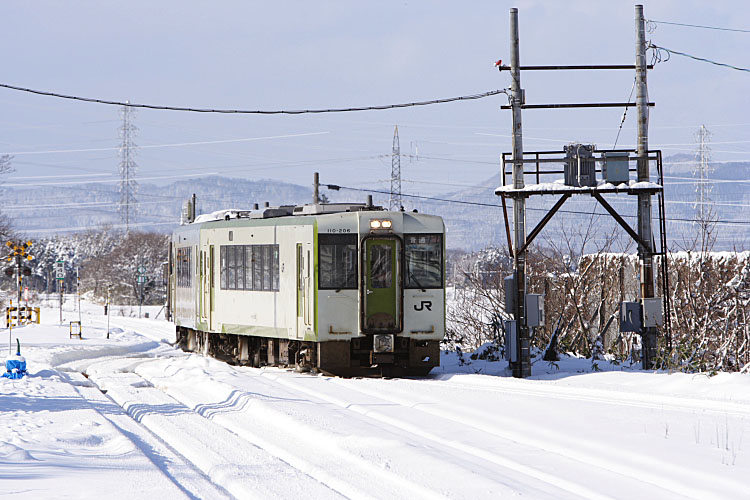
pixel 411 275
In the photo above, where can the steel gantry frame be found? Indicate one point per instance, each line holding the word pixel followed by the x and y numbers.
pixel 643 235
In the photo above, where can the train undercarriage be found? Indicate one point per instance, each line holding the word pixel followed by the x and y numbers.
pixel 348 358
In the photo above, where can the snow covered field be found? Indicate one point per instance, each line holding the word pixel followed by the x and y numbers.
pixel 133 417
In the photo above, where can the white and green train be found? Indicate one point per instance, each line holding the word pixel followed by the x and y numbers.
pixel 346 289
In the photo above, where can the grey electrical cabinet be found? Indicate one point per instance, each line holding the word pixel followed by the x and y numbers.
pixel 510 293
pixel 534 309
pixel 511 341
pixel 616 167
pixel 652 312
pixel 580 166
pixel 630 317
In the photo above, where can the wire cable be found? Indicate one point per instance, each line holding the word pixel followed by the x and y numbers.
pixel 480 204
pixel 252 111
pixel 698 26
pixel 657 48
pixel 624 115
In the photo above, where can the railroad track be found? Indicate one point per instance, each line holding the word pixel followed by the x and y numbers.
pixel 639 466
pixel 363 438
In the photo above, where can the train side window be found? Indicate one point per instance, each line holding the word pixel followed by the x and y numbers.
pixel 231 269
pixel 248 267
pixel 337 261
pixel 257 268
pixel 275 270
pixel 424 260
pixel 223 267
pixel 239 264
pixel 184 271
pixel 267 267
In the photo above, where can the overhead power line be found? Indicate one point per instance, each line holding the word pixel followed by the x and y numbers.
pixel 252 111
pixel 701 59
pixel 699 26
pixel 480 204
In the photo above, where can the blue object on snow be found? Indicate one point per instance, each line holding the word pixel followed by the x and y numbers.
pixel 15 366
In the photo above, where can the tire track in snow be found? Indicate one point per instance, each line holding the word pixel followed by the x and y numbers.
pixel 637 400
pixel 240 467
pixel 556 442
pixel 557 482
pixel 310 450
pixel 180 471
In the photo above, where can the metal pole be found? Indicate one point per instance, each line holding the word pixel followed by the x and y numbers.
pixel 10 329
pixel 521 368
pixel 108 313
pixel 78 289
pixel 316 188
pixel 18 270
pixel 645 252
pixel 60 286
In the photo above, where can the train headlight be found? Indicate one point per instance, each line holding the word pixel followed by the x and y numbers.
pixel 382 343
pixel 381 224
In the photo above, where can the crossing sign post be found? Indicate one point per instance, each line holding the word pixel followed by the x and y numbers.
pixel 141 278
pixel 60 270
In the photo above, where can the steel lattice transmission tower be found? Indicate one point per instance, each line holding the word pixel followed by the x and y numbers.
pixel 703 171
pixel 128 168
pixel 395 201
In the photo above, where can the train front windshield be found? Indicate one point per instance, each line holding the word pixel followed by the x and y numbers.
pixel 424 260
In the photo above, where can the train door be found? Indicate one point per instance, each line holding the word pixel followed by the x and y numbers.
pixel 211 297
pixel 382 285
pixel 203 280
pixel 304 290
pixel 170 284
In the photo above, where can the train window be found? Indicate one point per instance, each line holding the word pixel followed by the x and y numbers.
pixel 249 267
pixel 275 268
pixel 257 268
pixel 223 267
pixel 424 260
pixel 267 267
pixel 381 265
pixel 184 271
pixel 231 269
pixel 239 264
pixel 337 259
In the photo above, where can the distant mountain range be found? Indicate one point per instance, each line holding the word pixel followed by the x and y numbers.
pixel 473 216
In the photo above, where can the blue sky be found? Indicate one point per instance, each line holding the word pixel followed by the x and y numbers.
pixel 290 55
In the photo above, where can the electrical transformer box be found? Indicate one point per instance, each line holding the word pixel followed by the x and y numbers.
pixel 580 165
pixel 534 309
pixel 630 317
pixel 652 312
pixel 616 167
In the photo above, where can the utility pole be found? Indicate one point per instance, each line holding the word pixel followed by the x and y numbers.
pixel 645 250
pixel 395 201
pixel 316 188
pixel 128 168
pixel 521 367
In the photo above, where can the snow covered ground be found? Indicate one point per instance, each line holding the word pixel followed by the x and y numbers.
pixel 133 417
